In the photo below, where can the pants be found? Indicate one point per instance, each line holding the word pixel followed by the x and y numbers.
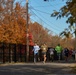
pixel 59 56
pixel 35 57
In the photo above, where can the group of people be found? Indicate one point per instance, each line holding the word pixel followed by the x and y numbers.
pixel 69 53
pixel 36 49
pixel 52 53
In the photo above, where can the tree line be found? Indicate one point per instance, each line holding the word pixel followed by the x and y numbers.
pixel 13 27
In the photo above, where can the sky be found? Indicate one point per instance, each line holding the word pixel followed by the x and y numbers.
pixel 41 11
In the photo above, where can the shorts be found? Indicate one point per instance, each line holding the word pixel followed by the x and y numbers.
pixel 43 53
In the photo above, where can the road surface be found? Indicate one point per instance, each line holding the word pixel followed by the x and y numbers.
pixel 37 69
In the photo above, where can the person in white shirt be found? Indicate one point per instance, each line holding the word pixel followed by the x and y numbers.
pixel 36 49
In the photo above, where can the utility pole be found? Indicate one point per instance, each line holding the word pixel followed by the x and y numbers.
pixel 27 34
pixel 75 35
pixel 75 32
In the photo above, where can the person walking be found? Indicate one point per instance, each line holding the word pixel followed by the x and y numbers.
pixel 36 49
pixel 58 49
pixel 44 50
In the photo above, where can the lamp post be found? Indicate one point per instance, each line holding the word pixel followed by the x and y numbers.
pixel 27 39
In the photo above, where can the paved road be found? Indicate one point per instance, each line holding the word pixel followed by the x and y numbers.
pixel 36 69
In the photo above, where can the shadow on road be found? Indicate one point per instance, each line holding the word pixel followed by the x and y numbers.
pixel 35 69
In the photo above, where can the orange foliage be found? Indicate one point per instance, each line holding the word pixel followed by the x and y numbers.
pixel 12 28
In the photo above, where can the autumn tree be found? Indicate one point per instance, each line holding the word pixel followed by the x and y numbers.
pixel 40 34
pixel 69 11
pixel 55 39
pixel 43 35
pixel 12 21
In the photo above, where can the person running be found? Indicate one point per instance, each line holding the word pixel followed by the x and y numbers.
pixel 58 49
pixel 66 53
pixel 36 49
pixel 51 50
pixel 44 50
